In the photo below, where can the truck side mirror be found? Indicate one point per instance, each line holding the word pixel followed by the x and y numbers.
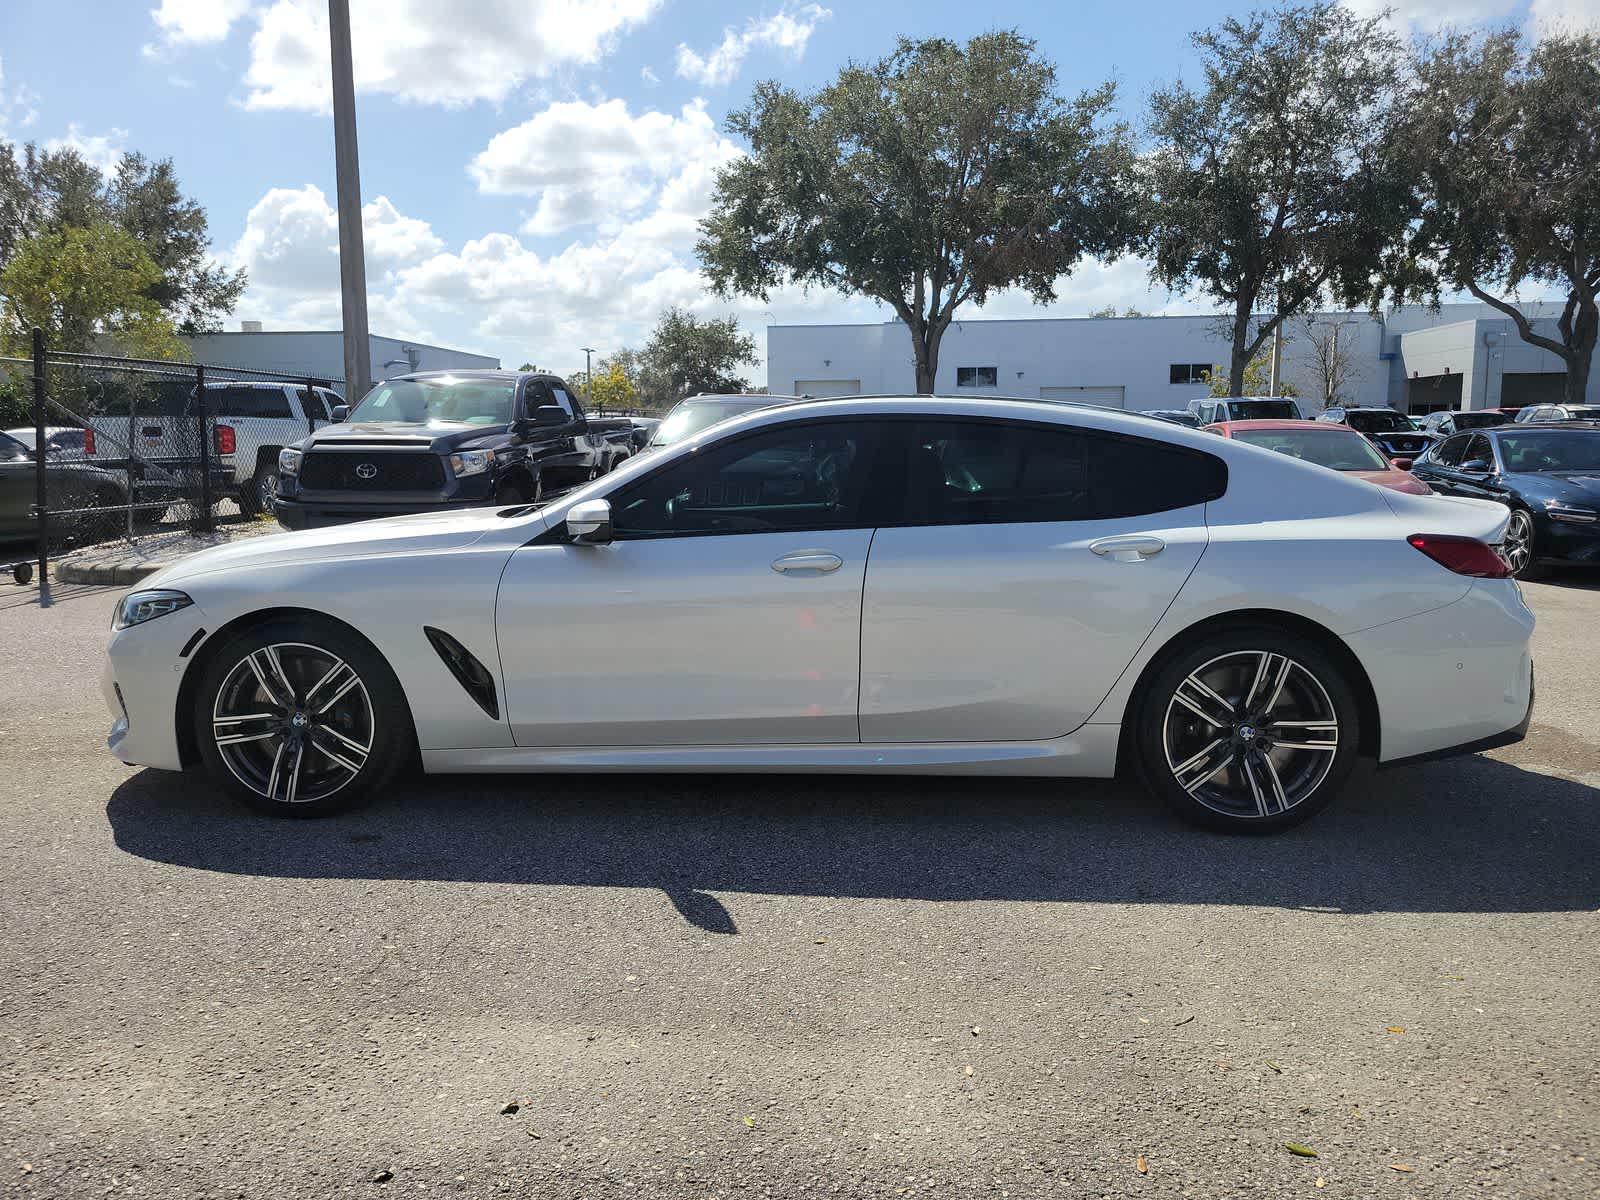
pixel 341 411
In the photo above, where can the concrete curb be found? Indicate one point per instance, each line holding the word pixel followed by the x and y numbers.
pixel 116 573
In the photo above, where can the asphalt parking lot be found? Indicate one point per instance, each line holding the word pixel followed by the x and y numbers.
pixel 732 986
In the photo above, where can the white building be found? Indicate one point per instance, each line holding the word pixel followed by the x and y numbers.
pixel 320 353
pixel 1412 359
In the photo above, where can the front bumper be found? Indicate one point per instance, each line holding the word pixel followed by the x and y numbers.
pixel 301 514
pixel 1567 541
pixel 146 665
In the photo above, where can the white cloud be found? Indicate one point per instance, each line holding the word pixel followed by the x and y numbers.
pixel 649 76
pixel 17 106
pixel 198 22
pixel 290 247
pixel 1431 16
pixel 100 150
pixel 597 163
pixel 787 31
pixel 430 51
pixel 1564 16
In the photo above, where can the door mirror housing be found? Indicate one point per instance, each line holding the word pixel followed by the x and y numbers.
pixel 548 415
pixel 1476 466
pixel 341 411
pixel 589 522
pixel 1401 464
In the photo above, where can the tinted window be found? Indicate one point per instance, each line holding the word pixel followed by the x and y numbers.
pixel 1189 373
pixel 559 396
pixel 1449 451
pixel 970 472
pixel 1379 422
pixel 312 403
pixel 1478 451
pixel 10 448
pixel 1551 450
pixel 247 402
pixel 1263 410
pixel 804 476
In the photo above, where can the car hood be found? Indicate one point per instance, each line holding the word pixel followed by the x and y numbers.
pixel 437 436
pixel 1583 486
pixel 417 534
pixel 1400 481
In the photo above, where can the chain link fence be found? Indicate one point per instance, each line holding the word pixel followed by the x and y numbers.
pixel 111 448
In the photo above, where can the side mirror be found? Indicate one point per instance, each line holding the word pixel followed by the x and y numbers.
pixel 341 411
pixel 1401 464
pixel 547 415
pixel 1476 466
pixel 589 522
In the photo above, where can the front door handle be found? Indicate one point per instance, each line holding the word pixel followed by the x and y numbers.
pixel 1133 547
pixel 820 561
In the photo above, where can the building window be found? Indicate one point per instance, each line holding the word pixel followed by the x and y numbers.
pixel 1189 373
pixel 977 376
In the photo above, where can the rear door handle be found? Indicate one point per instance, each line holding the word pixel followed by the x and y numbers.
pixel 820 561
pixel 1133 547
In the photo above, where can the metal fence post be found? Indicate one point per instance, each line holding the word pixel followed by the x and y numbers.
pixel 41 500
pixel 205 524
pixel 312 402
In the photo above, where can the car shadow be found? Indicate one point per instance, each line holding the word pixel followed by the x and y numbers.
pixel 1469 835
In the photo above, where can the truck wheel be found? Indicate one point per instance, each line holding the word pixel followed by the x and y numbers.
pixel 260 494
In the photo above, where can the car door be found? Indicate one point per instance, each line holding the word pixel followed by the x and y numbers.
pixel 17 484
pixel 560 458
pixel 1028 565
pixel 726 610
pixel 1476 476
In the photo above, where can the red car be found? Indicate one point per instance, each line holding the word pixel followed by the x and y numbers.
pixel 1337 447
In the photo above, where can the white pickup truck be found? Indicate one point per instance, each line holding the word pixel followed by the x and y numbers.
pixel 250 422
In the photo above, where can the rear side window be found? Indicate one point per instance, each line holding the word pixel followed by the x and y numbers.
pixel 1449 452
pixel 248 402
pixel 975 473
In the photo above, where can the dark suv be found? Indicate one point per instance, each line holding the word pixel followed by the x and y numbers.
pixel 1393 431
pixel 441 440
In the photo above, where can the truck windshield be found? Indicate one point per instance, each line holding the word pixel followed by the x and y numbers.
pixel 438 401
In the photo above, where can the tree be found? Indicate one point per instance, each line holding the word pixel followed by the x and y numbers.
pixel 1276 183
pixel 1256 379
pixel 1332 364
pixel 1505 141
pixel 613 389
pixel 54 190
pixel 933 177
pixel 79 284
pixel 1110 310
pixel 686 355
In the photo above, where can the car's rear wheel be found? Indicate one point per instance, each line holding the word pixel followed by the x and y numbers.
pixel 1251 730
pixel 1520 547
pixel 298 718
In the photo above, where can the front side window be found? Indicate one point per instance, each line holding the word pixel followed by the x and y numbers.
pixel 811 475
pixel 976 377
pixel 1478 451
pixel 1448 453
pixel 988 472
pixel 311 402
pixel 559 396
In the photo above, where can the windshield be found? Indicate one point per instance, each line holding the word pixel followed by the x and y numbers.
pixel 689 419
pixel 25 436
pixel 1379 422
pixel 11 448
pixel 1263 410
pixel 439 401
pixel 1551 450
pixel 1335 448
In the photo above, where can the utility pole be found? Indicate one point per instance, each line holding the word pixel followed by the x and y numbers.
pixel 588 374
pixel 1277 358
pixel 347 169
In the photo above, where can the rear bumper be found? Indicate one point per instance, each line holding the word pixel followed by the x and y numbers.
pixel 1493 742
pixel 1453 679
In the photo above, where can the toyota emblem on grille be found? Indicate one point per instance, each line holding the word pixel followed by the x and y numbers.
pixel 366 471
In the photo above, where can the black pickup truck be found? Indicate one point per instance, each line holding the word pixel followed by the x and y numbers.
pixel 440 440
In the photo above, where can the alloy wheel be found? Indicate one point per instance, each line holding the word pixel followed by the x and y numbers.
pixel 293 722
pixel 1251 733
pixel 1518 547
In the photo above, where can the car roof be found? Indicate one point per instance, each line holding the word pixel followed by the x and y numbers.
pixel 1282 423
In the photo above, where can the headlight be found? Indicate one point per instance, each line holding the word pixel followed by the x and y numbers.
pixel 471 462
pixel 138 607
pixel 289 462
pixel 1558 511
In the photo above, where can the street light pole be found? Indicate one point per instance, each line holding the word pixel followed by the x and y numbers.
pixel 588 374
pixel 347 171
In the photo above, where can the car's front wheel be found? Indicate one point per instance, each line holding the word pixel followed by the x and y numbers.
pixel 299 718
pixel 1251 730
pixel 1520 546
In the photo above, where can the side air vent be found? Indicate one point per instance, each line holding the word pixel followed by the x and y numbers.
pixel 469 672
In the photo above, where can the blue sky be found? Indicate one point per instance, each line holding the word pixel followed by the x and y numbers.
pixel 532 168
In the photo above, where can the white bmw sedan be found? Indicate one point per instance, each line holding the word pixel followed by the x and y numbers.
pixel 871 586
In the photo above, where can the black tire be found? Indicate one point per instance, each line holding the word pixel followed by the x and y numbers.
pixel 330 772
pixel 260 494
pixel 1260 779
pixel 1521 545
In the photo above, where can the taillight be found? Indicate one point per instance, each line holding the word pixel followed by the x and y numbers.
pixel 1463 555
pixel 88 442
pixel 227 440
